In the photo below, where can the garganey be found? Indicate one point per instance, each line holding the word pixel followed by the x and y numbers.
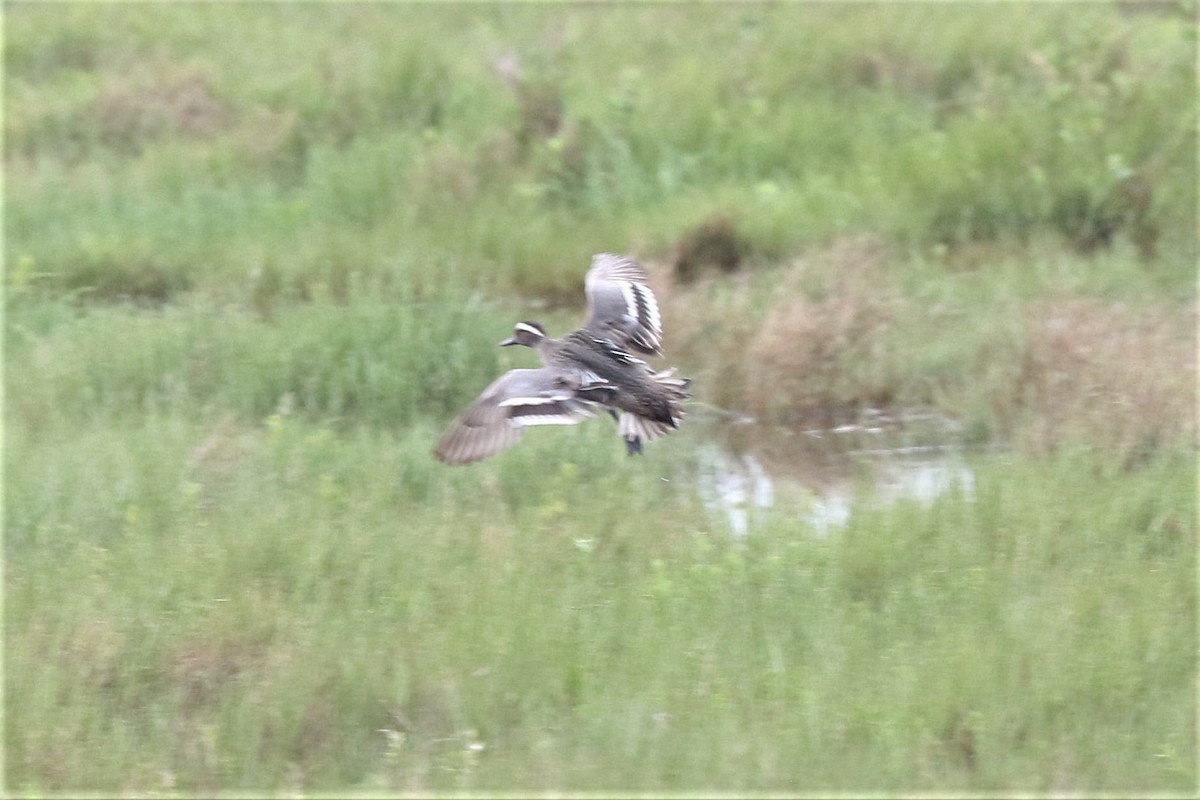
pixel 587 369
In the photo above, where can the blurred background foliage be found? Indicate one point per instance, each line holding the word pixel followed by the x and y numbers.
pixel 258 254
pixel 271 149
pixel 900 170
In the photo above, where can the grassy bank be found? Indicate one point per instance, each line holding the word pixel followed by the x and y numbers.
pixel 257 257
pixel 202 605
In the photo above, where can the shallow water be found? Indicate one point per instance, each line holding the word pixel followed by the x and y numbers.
pixel 881 457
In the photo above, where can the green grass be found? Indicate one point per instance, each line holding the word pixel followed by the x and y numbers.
pixel 187 148
pixel 396 362
pixel 257 256
pixel 250 606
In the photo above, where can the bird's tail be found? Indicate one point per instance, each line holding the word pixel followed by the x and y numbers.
pixel 636 430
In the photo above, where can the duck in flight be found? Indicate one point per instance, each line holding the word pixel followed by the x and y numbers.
pixel 591 368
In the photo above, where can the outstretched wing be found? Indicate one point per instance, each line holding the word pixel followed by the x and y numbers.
pixel 621 304
pixel 517 399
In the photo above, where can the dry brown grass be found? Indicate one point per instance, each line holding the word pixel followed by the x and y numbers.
pixel 706 325
pixel 134 110
pixel 779 344
pixel 1122 376
pixel 810 345
pixel 774 343
pixel 832 332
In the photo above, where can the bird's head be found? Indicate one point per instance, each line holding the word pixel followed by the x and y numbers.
pixel 529 334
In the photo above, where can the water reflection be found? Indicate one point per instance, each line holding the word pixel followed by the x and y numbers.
pixel 734 487
pixel 822 472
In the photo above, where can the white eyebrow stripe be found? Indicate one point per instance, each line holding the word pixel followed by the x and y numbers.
pixel 521 326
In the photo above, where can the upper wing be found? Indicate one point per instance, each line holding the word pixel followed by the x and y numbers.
pixel 516 399
pixel 620 304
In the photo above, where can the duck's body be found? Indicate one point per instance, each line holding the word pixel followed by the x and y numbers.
pixel 586 369
pixel 647 400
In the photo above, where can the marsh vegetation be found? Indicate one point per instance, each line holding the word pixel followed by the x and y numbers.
pixel 258 255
